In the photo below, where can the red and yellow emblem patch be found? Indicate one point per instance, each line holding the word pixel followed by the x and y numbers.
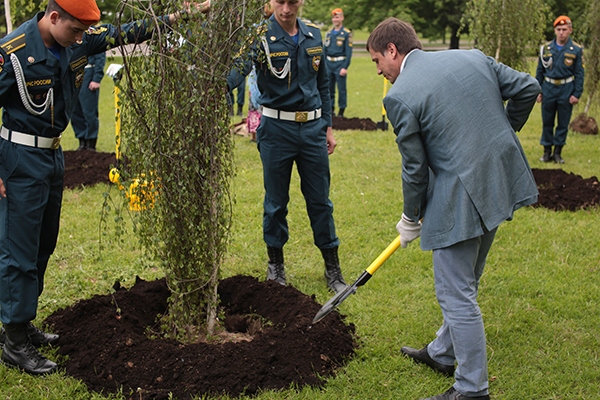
pixel 316 61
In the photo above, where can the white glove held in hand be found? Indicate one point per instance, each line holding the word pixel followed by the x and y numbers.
pixel 113 70
pixel 408 230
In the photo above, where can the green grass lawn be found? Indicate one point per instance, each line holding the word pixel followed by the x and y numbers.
pixel 540 293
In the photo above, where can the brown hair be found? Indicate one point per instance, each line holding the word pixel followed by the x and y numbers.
pixel 392 30
pixel 53 6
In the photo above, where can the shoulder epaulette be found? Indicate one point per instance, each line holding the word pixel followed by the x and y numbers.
pixel 96 30
pixel 14 44
pixel 347 30
pixel 578 45
pixel 308 23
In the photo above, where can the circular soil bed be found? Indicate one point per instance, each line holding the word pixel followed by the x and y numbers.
pixel 272 343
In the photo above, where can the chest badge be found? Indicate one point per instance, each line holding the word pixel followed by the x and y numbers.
pixel 30 59
pixel 316 61
pixel 568 62
pixel 79 78
pixel 273 38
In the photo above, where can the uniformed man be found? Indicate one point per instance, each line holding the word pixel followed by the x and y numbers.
pixel 84 119
pixel 560 72
pixel 338 52
pixel 42 66
pixel 295 127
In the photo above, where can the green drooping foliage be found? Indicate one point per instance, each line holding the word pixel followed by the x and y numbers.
pixel 508 30
pixel 591 33
pixel 176 139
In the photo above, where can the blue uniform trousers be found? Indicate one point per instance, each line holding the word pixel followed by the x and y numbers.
pixel 457 270
pixel 340 81
pixel 556 106
pixel 84 119
pixel 281 143
pixel 29 223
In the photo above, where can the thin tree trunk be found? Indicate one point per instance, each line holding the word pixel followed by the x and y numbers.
pixel 8 18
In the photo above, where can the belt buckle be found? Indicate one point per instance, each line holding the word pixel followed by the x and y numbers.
pixel 55 143
pixel 301 116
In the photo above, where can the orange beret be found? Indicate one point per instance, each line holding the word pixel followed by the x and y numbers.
pixel 337 11
pixel 562 20
pixel 86 11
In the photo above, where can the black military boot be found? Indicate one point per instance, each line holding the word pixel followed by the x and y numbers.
pixel 333 272
pixel 547 151
pixel 240 110
pixel 37 336
pixel 82 143
pixel 90 144
pixel 556 156
pixel 20 353
pixel 341 113
pixel 276 269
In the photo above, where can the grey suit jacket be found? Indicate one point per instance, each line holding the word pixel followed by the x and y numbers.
pixel 463 168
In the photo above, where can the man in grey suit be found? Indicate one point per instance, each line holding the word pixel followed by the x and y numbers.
pixel 463 173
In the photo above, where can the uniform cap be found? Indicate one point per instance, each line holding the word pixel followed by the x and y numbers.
pixel 337 11
pixel 562 20
pixel 86 11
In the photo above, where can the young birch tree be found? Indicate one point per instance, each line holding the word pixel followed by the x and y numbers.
pixel 176 139
pixel 508 30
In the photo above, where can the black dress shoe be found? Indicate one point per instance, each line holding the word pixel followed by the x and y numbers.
pixel 453 394
pixel 422 356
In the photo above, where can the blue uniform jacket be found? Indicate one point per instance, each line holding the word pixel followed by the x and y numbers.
pixel 306 87
pixel 338 46
pixel 462 163
pixel 42 71
pixel 566 62
pixel 98 61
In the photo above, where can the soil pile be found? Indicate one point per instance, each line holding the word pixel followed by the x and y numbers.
pixel 359 124
pixel 107 344
pixel 87 168
pixel 584 124
pixel 560 190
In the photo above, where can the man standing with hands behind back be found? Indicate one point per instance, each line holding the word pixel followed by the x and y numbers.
pixel 338 51
pixel 464 172
pixel 560 73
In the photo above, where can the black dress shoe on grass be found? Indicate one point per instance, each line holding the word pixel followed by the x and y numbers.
pixel 422 356
pixel 453 394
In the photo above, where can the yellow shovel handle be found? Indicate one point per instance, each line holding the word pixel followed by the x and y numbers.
pixel 384 256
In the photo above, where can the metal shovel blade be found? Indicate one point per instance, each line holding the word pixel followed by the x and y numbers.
pixel 362 279
pixel 334 302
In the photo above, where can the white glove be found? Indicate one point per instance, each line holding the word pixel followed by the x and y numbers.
pixel 113 70
pixel 408 230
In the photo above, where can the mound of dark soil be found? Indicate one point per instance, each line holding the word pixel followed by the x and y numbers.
pixel 359 124
pixel 108 349
pixel 584 124
pixel 87 168
pixel 560 190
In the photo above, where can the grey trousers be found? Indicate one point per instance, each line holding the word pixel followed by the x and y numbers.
pixel 457 270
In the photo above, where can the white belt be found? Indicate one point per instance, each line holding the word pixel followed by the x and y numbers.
pixel 334 59
pixel 559 81
pixel 297 116
pixel 30 140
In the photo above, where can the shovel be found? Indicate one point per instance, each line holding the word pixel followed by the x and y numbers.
pixel 383 124
pixel 336 300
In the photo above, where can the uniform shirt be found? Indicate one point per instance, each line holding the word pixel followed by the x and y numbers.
pixel 306 86
pixel 42 71
pixel 339 44
pixel 565 62
pixel 98 61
